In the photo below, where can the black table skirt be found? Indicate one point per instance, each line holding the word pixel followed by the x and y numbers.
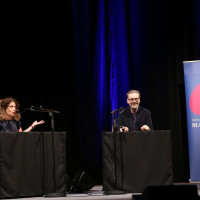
pixel 26 164
pixel 142 159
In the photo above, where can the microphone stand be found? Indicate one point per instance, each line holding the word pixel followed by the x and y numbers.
pixel 115 129
pixel 41 109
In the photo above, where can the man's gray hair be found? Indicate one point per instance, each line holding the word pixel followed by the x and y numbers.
pixel 133 91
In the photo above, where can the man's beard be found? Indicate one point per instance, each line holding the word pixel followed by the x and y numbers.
pixel 134 106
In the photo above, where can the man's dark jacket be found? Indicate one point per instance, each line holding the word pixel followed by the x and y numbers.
pixel 143 117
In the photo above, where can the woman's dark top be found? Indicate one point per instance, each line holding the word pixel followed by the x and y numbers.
pixel 10 126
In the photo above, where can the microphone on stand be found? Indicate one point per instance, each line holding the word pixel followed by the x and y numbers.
pixel 121 110
pixel 114 111
pixel 31 108
pixel 115 129
pixel 49 110
pixel 41 109
pixel 18 112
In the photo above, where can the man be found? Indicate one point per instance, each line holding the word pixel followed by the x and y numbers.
pixel 134 117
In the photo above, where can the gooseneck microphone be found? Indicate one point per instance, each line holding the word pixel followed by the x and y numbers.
pixel 120 110
pixel 41 109
pixel 38 109
pixel 18 112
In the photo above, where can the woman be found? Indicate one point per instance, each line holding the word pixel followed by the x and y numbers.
pixel 10 117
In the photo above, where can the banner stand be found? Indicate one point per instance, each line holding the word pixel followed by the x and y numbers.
pixel 192 95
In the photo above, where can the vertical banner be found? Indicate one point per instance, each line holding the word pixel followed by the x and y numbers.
pixel 192 94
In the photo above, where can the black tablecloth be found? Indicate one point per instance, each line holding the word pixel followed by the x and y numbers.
pixel 26 164
pixel 143 159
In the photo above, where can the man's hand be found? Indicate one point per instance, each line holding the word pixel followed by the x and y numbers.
pixel 124 129
pixel 145 128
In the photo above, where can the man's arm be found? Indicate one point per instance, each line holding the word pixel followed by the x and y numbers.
pixel 148 123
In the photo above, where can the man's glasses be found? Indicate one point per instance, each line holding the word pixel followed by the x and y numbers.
pixel 133 99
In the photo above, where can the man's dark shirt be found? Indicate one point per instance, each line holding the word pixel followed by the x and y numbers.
pixel 143 117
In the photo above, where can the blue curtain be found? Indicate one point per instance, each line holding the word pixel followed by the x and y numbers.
pixel 122 45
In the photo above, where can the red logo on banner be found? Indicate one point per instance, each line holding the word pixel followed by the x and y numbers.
pixel 195 100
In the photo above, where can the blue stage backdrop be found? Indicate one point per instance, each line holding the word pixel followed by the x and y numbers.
pixel 119 45
pixel 192 92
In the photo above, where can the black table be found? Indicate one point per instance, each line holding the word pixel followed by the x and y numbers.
pixel 143 159
pixel 26 164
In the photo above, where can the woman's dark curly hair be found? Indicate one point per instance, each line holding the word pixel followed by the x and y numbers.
pixel 4 103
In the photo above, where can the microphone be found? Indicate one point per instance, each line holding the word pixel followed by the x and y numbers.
pixel 55 111
pixel 41 109
pixel 121 110
pixel 31 108
pixel 114 111
pixel 49 110
pixel 17 111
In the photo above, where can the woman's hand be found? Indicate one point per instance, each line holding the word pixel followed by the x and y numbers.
pixel 31 127
pixel 35 123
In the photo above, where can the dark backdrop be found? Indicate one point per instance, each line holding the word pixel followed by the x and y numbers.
pixel 81 57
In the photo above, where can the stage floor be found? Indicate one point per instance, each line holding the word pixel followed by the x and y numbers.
pixel 96 193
